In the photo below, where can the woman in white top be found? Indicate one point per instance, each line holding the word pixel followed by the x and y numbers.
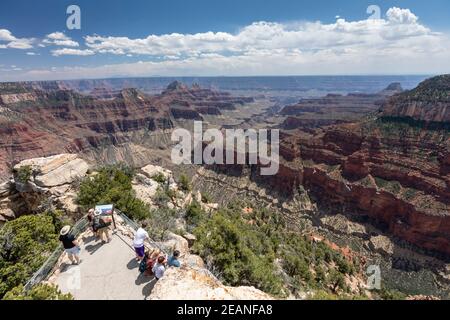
pixel 138 242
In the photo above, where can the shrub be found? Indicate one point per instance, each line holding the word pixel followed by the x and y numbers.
pixel 160 178
pixel 206 197
pixel 25 244
pixel 24 174
pixel 112 184
pixel 194 214
pixel 38 292
pixel 239 252
pixel 185 184
pixel 161 221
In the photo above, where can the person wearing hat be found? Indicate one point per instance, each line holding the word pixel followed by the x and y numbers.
pixel 70 244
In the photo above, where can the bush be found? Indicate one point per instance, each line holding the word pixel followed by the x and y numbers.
pixel 25 244
pixel 239 252
pixel 242 248
pixel 112 184
pixel 38 292
pixel 161 221
pixel 160 178
pixel 194 214
pixel 185 184
pixel 206 198
pixel 24 173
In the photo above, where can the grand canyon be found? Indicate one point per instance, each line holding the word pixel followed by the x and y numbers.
pixel 369 172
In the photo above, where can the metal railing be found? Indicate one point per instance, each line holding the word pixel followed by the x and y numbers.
pixel 131 223
pixel 47 267
pixel 80 226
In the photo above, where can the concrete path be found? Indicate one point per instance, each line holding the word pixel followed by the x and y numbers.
pixel 107 272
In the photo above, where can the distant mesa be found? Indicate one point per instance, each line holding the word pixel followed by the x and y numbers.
pixel 392 89
pixel 176 85
pixel 429 102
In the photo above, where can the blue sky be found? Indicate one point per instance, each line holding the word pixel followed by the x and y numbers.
pixel 246 37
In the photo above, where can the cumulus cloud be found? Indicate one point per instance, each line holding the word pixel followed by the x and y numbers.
pixel 398 43
pixel 399 26
pixel 8 40
pixel 72 52
pixel 59 39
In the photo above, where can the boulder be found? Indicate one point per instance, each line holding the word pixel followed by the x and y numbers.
pixel 56 170
pixel 5 188
pixel 145 188
pixel 381 244
pixel 190 239
pixel 191 284
pixel 176 242
pixel 152 170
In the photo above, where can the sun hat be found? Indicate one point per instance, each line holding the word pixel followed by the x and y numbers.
pixel 97 212
pixel 65 230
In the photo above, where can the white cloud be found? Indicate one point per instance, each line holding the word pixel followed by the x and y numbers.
pixel 8 40
pixel 399 25
pixel 72 52
pixel 396 44
pixel 60 39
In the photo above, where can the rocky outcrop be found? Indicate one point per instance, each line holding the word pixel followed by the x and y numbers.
pixel 42 183
pixel 429 102
pixel 191 284
pixel 55 170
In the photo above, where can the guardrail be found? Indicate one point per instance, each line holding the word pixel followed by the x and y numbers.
pixel 80 226
pixel 44 271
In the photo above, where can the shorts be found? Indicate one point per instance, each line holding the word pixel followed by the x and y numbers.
pixel 73 251
pixel 140 251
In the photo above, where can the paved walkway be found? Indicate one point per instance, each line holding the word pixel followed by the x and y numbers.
pixel 107 272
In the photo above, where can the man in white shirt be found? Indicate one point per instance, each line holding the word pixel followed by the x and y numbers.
pixel 138 242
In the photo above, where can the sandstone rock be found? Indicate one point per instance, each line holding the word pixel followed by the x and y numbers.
pixel 176 242
pixel 188 284
pixel 193 261
pixel 190 239
pixel 151 170
pixel 145 188
pixel 7 214
pixel 56 170
pixel 382 244
pixel 5 188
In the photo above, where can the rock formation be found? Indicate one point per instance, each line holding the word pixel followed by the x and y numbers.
pixel 40 183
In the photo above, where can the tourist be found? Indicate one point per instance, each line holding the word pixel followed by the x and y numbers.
pixel 90 218
pixel 138 242
pixel 70 245
pixel 101 224
pixel 173 259
pixel 159 268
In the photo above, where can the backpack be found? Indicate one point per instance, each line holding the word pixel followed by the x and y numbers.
pixel 150 264
pixel 100 223
pixel 143 265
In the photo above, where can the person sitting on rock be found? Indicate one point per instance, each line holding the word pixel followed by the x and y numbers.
pixel 101 224
pixel 173 260
pixel 159 268
pixel 70 244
